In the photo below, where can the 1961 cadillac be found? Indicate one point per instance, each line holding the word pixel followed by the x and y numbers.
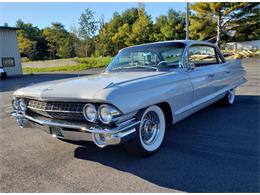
pixel 144 88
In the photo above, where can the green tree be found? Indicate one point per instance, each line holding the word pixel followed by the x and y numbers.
pixel 202 28
pixel 59 41
pixel 27 47
pixel 30 41
pixel 106 45
pixel 170 26
pixel 88 27
pixel 142 28
pixel 129 16
pixel 245 25
pixel 67 47
pixel 120 38
pixel 220 17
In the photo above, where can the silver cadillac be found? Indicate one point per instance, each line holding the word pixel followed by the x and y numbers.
pixel 143 89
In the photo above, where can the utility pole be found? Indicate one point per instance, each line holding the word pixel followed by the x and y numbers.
pixel 187 21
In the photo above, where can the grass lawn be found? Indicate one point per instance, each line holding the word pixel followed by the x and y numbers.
pixel 82 64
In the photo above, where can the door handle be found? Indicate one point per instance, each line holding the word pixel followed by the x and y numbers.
pixel 227 72
pixel 211 75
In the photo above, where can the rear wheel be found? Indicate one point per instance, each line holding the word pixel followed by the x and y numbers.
pixel 150 134
pixel 229 98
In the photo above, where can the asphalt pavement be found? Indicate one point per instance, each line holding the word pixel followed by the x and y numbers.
pixel 214 150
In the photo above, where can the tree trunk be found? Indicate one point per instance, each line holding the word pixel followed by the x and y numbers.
pixel 218 30
pixel 86 50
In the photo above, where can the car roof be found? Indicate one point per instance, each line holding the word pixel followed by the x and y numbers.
pixel 172 42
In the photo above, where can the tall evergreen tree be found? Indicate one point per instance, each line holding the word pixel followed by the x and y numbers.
pixel 170 26
pixel 142 28
pixel 221 16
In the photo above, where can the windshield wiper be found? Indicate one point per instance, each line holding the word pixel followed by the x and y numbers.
pixel 134 67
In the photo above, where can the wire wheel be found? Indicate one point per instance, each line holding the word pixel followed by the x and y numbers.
pixel 152 128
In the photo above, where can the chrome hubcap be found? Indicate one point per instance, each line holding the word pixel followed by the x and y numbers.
pixel 150 127
pixel 231 95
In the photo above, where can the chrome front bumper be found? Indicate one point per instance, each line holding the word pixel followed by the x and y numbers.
pixel 79 131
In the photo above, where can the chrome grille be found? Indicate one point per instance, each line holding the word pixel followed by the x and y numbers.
pixel 57 110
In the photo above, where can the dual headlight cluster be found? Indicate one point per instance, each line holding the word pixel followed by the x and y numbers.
pixel 19 105
pixel 105 113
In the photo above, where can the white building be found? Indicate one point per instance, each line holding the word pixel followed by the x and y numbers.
pixel 10 60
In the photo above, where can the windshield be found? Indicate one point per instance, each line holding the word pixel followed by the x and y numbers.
pixel 151 57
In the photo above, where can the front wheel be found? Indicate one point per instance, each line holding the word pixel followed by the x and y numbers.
pixel 150 134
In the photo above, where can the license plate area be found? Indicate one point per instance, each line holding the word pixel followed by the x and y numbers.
pixel 56 132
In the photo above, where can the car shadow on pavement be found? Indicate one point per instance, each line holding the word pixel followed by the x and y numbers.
pixel 15 82
pixel 214 150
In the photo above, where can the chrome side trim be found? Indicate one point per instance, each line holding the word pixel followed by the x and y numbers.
pixel 210 97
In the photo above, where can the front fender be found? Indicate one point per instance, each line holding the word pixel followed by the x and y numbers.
pixel 175 89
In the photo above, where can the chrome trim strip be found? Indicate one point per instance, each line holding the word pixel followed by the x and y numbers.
pixel 76 126
pixel 210 97
pixel 60 111
pixel 125 122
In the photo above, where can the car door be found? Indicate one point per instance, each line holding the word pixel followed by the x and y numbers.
pixel 202 75
pixel 222 74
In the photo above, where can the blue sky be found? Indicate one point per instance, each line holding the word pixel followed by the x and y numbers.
pixel 42 14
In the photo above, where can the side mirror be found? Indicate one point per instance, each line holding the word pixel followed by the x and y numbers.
pixel 191 66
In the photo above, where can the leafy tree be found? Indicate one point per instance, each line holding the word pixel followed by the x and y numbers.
pixel 120 39
pixel 88 27
pixel 105 43
pixel 245 25
pixel 67 46
pixel 219 20
pixel 27 47
pixel 59 41
pixel 202 28
pixel 221 17
pixel 142 28
pixel 170 26
pixel 130 16
pixel 30 41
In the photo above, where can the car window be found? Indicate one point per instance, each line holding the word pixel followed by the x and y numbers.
pixel 138 58
pixel 160 57
pixel 172 57
pixel 202 55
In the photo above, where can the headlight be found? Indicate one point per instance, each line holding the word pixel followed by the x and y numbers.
pixel 106 113
pixel 22 105
pixel 15 104
pixel 90 112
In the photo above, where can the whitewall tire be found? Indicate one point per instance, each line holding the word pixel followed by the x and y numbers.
pixel 229 98
pixel 150 133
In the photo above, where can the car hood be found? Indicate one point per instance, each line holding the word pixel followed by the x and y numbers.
pixel 82 87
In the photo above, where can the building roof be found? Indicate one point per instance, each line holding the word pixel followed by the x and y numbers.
pixel 8 28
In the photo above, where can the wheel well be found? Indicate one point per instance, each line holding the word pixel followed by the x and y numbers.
pixel 166 108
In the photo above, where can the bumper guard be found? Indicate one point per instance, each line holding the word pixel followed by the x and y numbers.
pixel 79 131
